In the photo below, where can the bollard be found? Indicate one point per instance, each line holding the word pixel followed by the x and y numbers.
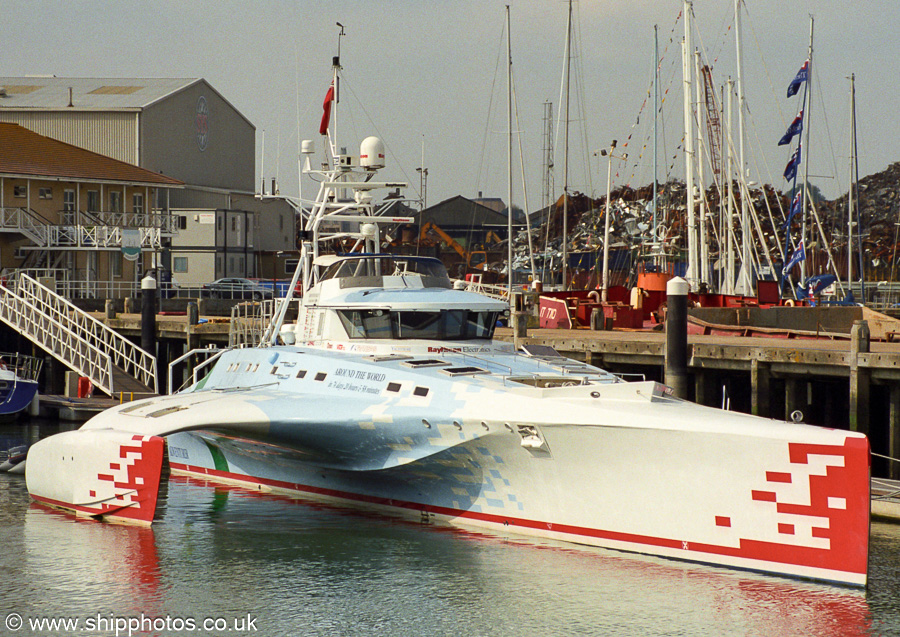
pixel 110 309
pixel 148 315
pixel 676 336
pixel 130 305
pixel 193 313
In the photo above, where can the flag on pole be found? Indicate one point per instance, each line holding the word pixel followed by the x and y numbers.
pixel 795 208
pixel 798 256
pixel 326 107
pixel 790 171
pixel 795 128
pixel 799 79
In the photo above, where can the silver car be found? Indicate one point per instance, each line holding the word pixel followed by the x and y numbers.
pixel 236 288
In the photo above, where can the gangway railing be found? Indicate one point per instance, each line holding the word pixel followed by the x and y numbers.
pixel 74 337
pixel 249 321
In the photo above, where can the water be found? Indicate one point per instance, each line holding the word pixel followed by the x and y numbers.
pixel 248 564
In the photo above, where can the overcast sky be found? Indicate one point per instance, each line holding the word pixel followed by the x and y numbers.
pixel 431 73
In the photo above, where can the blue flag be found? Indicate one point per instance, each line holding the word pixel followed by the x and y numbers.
pixel 799 79
pixel 795 128
pixel 798 256
pixel 795 208
pixel 790 171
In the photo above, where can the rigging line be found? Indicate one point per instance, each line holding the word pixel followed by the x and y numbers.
pixel 775 96
pixel 487 120
pixel 345 84
pixel 828 136
pixel 524 185
pixel 765 162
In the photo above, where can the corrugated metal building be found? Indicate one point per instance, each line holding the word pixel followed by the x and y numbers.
pixel 182 128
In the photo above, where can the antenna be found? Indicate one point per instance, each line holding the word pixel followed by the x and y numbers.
pixel 340 35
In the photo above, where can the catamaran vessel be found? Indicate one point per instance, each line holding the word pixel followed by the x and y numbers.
pixel 389 391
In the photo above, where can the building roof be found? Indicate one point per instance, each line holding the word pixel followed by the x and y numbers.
pixel 87 93
pixel 26 154
pixel 461 212
pixel 93 93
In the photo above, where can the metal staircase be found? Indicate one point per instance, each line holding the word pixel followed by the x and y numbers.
pixel 113 363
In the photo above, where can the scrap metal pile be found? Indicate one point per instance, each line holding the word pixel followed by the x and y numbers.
pixel 632 226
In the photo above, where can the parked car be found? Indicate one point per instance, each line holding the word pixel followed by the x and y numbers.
pixel 236 288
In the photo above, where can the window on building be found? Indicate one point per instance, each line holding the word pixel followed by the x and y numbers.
pixel 290 265
pixel 179 265
pixel 234 224
pixel 45 193
pixel 115 201
pixel 115 264
pixel 68 211
pixel 137 203
pixel 219 223
pixel 93 200
pixel 20 191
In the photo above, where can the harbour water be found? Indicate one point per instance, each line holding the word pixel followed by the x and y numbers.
pixel 228 561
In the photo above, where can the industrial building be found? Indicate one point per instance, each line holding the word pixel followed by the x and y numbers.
pixel 197 217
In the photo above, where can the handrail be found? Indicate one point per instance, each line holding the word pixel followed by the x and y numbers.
pixel 52 335
pixel 213 352
pixel 93 336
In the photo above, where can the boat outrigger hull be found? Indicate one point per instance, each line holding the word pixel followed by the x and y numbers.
pixel 622 465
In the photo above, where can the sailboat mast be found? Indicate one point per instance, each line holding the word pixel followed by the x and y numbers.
pixel 565 231
pixel 509 193
pixel 745 285
pixel 704 244
pixel 655 149
pixel 807 119
pixel 687 75
pixel 728 282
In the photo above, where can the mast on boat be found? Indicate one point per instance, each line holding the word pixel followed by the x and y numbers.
pixel 565 233
pixel 728 286
pixel 704 235
pixel 852 194
pixel 654 247
pixel 687 75
pixel 509 192
pixel 745 285
pixel 807 118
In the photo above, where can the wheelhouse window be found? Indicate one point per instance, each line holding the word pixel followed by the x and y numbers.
pixel 363 269
pixel 442 325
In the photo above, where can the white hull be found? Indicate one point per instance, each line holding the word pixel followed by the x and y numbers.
pixel 777 506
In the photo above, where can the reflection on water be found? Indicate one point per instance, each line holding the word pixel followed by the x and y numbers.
pixel 305 568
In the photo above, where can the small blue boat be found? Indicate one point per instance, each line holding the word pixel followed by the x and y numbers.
pixel 18 382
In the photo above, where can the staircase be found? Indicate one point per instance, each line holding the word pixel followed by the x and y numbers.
pixel 113 363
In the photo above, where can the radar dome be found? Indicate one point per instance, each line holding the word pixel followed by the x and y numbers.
pixel 371 153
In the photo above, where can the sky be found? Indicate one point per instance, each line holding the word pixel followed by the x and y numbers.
pixel 429 78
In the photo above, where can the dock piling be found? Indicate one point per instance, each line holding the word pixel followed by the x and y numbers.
pixel 676 336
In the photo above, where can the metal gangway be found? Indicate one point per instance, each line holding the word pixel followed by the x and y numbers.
pixel 113 363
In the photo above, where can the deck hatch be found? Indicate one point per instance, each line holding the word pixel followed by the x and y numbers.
pixel 383 358
pixel 395 387
pixel 464 371
pixel 425 362
pixel 420 391
pixel 321 376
